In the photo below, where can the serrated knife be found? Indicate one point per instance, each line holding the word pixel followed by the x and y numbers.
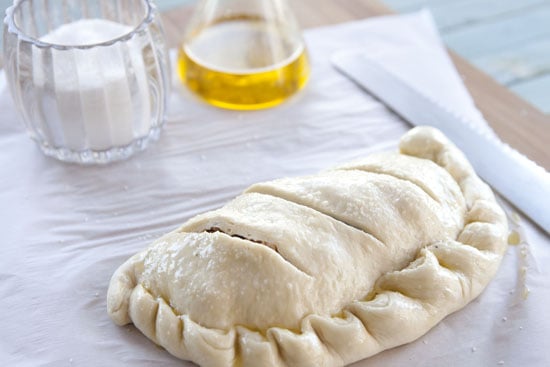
pixel 514 176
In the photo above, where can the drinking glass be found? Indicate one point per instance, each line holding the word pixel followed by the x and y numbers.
pixel 89 78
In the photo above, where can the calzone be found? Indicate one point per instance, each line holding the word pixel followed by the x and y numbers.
pixel 320 270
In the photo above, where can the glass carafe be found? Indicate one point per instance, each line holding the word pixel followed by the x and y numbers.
pixel 243 54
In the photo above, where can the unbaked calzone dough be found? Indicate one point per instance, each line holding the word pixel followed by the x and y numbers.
pixel 320 270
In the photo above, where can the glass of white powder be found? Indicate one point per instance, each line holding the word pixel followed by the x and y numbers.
pixel 90 78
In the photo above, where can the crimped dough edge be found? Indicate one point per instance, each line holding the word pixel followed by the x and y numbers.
pixel 397 312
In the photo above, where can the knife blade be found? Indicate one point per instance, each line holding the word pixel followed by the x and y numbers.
pixel 514 176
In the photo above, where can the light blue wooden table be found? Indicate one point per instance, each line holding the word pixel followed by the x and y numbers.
pixel 508 39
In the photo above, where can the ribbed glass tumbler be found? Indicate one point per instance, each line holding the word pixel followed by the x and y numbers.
pixel 89 78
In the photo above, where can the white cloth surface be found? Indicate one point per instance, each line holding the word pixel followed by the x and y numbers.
pixel 66 228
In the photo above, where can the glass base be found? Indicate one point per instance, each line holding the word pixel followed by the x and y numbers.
pixel 89 157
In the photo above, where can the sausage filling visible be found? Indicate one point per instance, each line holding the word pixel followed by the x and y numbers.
pixel 217 229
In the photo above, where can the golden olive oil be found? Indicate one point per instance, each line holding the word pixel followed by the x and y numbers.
pixel 243 63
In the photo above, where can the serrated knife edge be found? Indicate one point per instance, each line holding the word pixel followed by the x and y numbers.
pixel 520 180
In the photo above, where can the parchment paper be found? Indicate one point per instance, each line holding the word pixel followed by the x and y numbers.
pixel 66 228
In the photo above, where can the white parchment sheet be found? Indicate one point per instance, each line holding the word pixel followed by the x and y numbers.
pixel 66 228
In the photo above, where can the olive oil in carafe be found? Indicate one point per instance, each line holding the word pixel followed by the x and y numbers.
pixel 243 63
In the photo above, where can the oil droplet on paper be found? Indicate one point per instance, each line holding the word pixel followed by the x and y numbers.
pixel 517 238
pixel 526 292
pixel 514 238
pixel 515 217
